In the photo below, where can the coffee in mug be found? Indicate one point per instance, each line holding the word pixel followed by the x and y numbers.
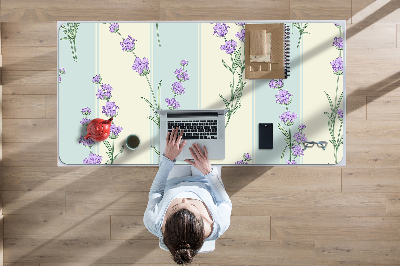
pixel 132 142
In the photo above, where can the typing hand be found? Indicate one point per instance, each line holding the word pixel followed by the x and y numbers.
pixel 201 161
pixel 174 147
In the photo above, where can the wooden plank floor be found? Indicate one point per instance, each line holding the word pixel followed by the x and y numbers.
pixel 281 215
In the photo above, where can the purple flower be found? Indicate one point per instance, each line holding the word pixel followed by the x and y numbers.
pixel 184 63
pixel 104 92
pixel 97 79
pixel 141 66
pixel 128 44
pixel 181 75
pixel 178 88
pixel 340 113
pixel 240 35
pixel 221 29
pixel 247 156
pixel 62 71
pixel 229 46
pixel 283 97
pixel 337 65
pixel 338 43
pixel 86 111
pixel 114 27
pixel 93 159
pixel 241 162
pixel 337 25
pixel 110 109
pixel 301 127
pixel 240 24
pixel 59 79
pixel 172 103
pixel 300 138
pixel 288 118
pixel 291 162
pixel 276 83
pixel 115 130
pixel 297 150
pixel 85 121
pixel 86 142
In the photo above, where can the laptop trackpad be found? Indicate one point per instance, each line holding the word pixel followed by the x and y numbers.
pixel 188 155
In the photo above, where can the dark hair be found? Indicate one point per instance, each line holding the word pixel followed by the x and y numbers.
pixel 184 235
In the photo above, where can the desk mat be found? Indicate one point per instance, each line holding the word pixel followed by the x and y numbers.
pixel 129 70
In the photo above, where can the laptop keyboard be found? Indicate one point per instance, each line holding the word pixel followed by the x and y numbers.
pixel 195 129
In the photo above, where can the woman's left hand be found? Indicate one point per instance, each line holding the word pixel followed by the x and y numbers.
pixel 174 147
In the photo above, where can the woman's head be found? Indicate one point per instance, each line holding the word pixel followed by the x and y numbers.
pixel 184 235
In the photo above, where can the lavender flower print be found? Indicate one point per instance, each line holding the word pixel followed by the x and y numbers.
pixel 246 159
pixel 299 137
pixel 59 79
pixel 172 103
pixel 114 27
pixel 141 66
pixel 240 35
pixel 85 121
pixel 301 127
pixel 178 88
pixel 110 109
pixel 104 92
pixel 181 75
pixel 184 63
pixel 86 111
pixel 283 97
pixel 229 46
pixel 93 159
pixel 240 24
pixel 291 162
pixel 288 118
pixel 276 83
pixel 114 131
pixel 337 66
pixel 86 142
pixel 220 29
pixel 62 71
pixel 97 79
pixel 297 150
pixel 128 44
pixel 340 113
pixel 338 43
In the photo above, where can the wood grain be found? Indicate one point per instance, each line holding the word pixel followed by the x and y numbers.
pixel 308 204
pixel 356 108
pixel 110 203
pixel 383 108
pixel 120 179
pixel 53 226
pixel 30 82
pixel 393 204
pixel 147 251
pixel 371 180
pixel 51 106
pixel 367 252
pixel 89 10
pixel 40 130
pixel 30 154
pixel 29 34
pixel 176 10
pixel 372 156
pixel 31 58
pixel 33 202
pixel 373 132
pixel 24 106
pixel 336 228
pixel 322 9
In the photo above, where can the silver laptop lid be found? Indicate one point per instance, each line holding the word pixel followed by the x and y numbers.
pixel 195 112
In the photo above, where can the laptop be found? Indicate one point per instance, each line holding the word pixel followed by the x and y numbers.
pixel 205 127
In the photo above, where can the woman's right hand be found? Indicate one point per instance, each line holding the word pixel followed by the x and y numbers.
pixel 201 161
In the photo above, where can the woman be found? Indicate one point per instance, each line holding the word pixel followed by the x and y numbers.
pixel 186 211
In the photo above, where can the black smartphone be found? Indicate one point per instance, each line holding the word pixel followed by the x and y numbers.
pixel 265 136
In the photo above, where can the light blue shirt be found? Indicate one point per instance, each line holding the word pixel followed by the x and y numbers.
pixel 209 188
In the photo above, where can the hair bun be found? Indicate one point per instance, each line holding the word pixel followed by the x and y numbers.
pixel 184 246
